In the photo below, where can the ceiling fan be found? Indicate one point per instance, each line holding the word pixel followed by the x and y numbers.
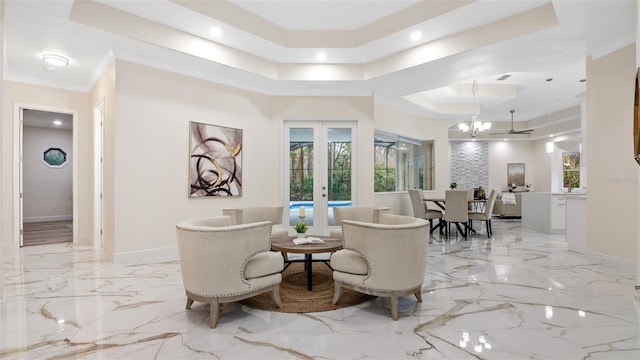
pixel 513 131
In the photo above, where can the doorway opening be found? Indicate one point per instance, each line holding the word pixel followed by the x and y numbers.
pixel 45 170
pixel 318 171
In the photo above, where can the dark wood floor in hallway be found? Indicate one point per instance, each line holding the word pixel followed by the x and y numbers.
pixel 48 232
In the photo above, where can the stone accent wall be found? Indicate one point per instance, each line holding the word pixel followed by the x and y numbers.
pixel 470 164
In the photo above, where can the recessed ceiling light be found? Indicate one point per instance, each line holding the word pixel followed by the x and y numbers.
pixel 416 35
pixel 215 31
pixel 321 56
pixel 57 122
pixel 56 60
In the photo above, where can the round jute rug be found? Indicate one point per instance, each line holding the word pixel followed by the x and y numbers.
pixel 297 299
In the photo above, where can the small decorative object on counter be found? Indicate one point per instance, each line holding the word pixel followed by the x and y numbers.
pixel 481 193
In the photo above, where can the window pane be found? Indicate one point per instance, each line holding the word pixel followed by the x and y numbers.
pixel 402 163
pixel 384 165
pixel 339 162
pixel 571 170
pixel 301 170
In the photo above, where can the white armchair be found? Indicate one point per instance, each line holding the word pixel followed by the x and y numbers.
pixel 387 259
pixel 252 214
pixel 368 214
pixel 223 263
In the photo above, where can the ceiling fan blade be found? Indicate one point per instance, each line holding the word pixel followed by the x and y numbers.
pixel 514 132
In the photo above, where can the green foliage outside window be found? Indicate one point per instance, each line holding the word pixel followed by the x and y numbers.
pixel 339 172
pixel 384 179
pixel 571 170
pixel 401 163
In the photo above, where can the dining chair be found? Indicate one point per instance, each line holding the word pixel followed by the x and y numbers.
pixel 470 197
pixel 421 211
pixel 457 211
pixel 486 214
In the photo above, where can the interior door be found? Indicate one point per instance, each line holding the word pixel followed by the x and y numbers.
pixel 98 114
pixel 20 140
pixel 320 159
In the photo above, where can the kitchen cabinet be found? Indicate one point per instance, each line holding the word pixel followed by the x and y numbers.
pixel 545 212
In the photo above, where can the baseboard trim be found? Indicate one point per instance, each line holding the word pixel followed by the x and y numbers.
pixel 606 256
pixel 48 218
pixel 150 256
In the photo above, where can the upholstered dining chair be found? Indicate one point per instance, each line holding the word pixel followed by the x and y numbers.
pixel 223 263
pixel 457 211
pixel 421 211
pixel 358 213
pixel 470 196
pixel 486 214
pixel 385 259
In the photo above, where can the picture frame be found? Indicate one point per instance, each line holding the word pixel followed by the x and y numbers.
pixel 515 174
pixel 636 120
pixel 215 161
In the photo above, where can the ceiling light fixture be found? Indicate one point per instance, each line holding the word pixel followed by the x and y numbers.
pixel 321 56
pixel 56 60
pixel 476 126
pixel 57 122
pixel 215 31
pixel 416 35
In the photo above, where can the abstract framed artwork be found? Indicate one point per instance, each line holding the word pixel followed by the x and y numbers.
pixel 215 161
pixel 515 174
pixel 636 120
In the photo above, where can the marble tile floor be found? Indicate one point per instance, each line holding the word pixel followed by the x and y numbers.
pixel 521 295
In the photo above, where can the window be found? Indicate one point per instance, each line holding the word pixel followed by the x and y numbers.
pixel 54 157
pixel 571 169
pixel 402 163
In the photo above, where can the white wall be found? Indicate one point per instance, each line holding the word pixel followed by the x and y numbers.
pixel 2 190
pixel 502 153
pixel 104 92
pixel 47 190
pixel 613 174
pixel 153 109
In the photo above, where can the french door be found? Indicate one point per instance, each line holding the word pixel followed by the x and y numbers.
pixel 318 171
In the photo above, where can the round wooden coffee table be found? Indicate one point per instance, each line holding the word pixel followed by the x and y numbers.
pixel 288 246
